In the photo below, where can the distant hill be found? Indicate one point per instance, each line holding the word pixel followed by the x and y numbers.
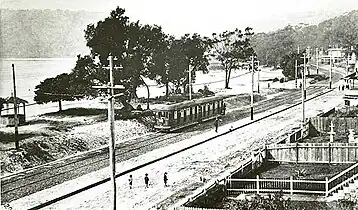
pixel 340 31
pixel 44 33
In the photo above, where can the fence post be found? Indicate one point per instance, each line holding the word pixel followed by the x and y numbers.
pixel 230 181
pixel 329 152
pixel 253 160
pixel 296 152
pixel 291 185
pixel 327 187
pixel 258 184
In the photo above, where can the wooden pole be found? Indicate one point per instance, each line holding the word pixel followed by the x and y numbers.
pixel 252 90
pixel 317 60
pixel 303 90
pixel 112 155
pixel 258 77
pixel 296 66
pixel 330 71
pixel 189 85
pixel 15 110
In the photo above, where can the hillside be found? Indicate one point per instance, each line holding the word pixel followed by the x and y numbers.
pixel 44 33
pixel 338 31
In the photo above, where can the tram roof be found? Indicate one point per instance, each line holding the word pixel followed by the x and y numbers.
pixel 190 103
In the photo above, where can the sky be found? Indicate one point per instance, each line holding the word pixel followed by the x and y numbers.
pixel 178 17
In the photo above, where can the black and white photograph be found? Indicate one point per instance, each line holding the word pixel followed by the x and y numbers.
pixel 179 105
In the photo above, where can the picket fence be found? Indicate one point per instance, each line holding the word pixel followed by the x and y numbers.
pixel 292 186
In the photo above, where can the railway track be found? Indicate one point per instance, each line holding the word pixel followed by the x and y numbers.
pixel 28 182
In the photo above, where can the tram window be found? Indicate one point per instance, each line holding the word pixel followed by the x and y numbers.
pixel 184 112
pixel 175 115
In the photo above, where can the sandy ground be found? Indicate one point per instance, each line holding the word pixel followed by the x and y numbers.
pixel 209 160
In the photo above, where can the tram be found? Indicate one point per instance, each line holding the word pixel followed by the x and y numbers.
pixel 176 116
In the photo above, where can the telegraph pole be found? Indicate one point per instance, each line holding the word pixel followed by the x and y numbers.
pixel 347 64
pixel 258 77
pixel 296 66
pixel 317 60
pixel 303 90
pixel 252 89
pixel 189 86
pixel 112 152
pixel 112 161
pixel 330 70
pixel 17 146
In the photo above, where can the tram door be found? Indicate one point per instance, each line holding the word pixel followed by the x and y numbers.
pixel 179 116
pixel 200 112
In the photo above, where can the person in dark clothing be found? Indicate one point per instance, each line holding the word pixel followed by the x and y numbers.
pixel 216 124
pixel 146 180
pixel 165 179
pixel 130 182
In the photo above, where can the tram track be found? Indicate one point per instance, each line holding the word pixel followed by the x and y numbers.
pixel 15 188
pixel 47 203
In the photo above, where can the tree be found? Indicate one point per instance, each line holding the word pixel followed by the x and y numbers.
pixel 231 48
pixel 288 63
pixel 2 101
pixel 195 49
pixel 171 64
pixel 56 89
pixel 131 43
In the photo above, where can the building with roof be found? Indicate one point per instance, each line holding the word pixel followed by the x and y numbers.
pixel 7 116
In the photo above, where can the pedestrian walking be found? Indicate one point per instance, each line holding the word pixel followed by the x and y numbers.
pixel 216 124
pixel 146 180
pixel 130 181
pixel 165 179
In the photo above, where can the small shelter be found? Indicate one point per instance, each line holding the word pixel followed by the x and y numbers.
pixel 7 116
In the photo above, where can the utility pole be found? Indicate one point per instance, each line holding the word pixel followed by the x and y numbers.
pixel 17 146
pixel 317 60
pixel 112 161
pixel 296 66
pixel 308 55
pixel 304 75
pixel 330 70
pixel 252 89
pixel 303 92
pixel 189 85
pixel 258 77
pixel 347 65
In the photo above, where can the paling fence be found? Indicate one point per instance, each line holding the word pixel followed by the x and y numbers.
pixel 341 124
pixel 292 186
pixel 296 134
pixel 313 152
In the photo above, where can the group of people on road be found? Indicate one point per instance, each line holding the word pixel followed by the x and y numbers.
pixel 146 180
pixel 341 87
